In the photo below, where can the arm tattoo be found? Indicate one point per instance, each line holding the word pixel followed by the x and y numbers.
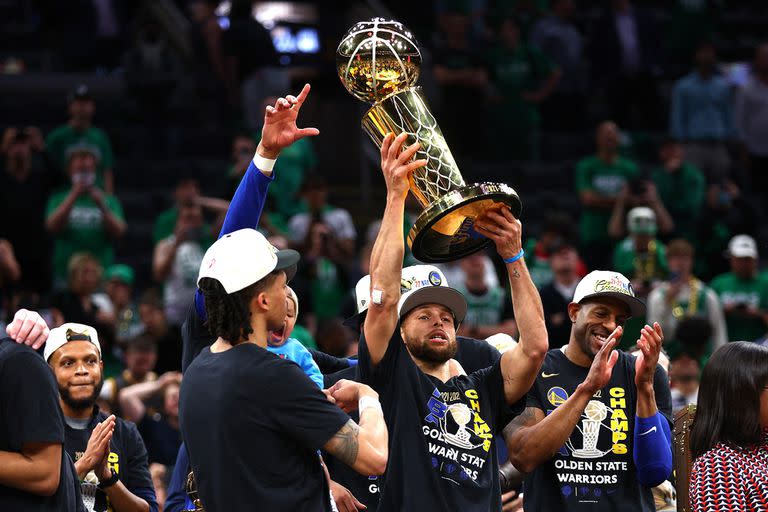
pixel 515 274
pixel 526 418
pixel 344 444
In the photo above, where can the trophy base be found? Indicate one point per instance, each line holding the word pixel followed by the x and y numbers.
pixel 444 231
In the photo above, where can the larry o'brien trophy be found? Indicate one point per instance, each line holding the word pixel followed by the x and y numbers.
pixel 378 62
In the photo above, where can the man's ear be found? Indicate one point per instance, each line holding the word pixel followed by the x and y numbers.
pixel 262 301
pixel 573 311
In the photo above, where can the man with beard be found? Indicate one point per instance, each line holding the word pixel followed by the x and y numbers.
pixel 444 421
pixel 109 454
pixel 595 434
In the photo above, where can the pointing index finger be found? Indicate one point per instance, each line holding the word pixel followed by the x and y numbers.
pixel 303 95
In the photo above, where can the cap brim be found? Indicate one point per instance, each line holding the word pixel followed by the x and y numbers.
pixel 355 322
pixel 287 261
pixel 636 306
pixel 443 295
pixel 743 254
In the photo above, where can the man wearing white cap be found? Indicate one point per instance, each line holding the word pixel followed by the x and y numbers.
pixel 595 434
pixel 444 422
pixel 109 454
pixel 743 291
pixel 252 421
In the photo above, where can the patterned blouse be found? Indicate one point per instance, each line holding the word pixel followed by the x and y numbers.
pixel 732 479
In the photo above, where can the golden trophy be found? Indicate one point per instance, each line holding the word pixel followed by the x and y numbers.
pixel 378 62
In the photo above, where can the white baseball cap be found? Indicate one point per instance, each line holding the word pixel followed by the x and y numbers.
pixel 743 246
pixel 641 220
pixel 70 332
pixel 426 284
pixel 244 257
pixel 606 283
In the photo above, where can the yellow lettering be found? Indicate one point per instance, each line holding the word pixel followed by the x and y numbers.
pixel 475 405
pixel 618 403
pixel 471 393
pixel 618 425
pixel 618 414
pixel 619 449
pixel 618 436
pixel 617 392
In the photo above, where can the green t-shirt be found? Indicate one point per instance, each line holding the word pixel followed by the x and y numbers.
pixel 606 180
pixel 327 292
pixel 292 165
pixel 540 269
pixel 165 226
pixel 64 137
pixel 682 193
pixel 490 308
pixel 515 72
pixel 84 232
pixel 649 265
pixel 733 290
pixel 304 336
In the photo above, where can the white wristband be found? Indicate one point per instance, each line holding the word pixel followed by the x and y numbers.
pixel 368 402
pixel 264 164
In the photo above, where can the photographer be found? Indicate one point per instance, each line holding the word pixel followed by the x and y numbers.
pixel 177 258
pixel 84 218
pixel 638 192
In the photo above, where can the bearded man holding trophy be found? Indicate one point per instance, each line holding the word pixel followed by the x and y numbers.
pixel 443 421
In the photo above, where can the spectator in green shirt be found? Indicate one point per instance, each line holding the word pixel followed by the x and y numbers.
pixel 641 256
pixel 187 192
pixel 680 186
pixel 743 292
pixel 523 77
pixel 79 130
pixel 83 218
pixel 599 180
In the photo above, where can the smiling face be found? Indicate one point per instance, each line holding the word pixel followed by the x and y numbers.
pixel 593 321
pixel 78 371
pixel 429 333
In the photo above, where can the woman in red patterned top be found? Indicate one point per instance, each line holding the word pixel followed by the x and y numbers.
pixel 729 443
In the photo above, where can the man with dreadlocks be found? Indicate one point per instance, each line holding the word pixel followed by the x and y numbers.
pixel 252 421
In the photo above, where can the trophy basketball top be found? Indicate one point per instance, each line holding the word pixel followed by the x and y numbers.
pixel 378 58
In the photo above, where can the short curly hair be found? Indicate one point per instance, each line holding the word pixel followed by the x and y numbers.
pixel 229 314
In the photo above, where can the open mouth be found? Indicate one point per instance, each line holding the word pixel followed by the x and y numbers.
pixel 599 338
pixel 277 336
pixel 438 336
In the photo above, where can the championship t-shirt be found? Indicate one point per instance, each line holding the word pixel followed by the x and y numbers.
pixel 127 458
pixel 595 469
pixel 442 454
pixel 252 425
pixel 30 413
pixel 472 355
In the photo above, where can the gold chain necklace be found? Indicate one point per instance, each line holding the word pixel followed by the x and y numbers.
pixel 693 302
pixel 646 270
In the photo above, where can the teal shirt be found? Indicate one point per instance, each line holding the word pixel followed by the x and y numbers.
pixel 733 291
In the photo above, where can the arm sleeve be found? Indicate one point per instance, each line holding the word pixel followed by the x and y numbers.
pixel 652 449
pixel 302 410
pixel 177 496
pixel 328 363
pixel 248 202
pixel 135 471
pixel 308 364
pixel 30 402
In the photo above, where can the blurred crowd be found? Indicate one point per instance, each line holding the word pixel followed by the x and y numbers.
pixel 686 229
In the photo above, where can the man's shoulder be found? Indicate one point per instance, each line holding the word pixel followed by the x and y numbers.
pixel 588 163
pixel 721 280
pixel 60 131
pixel 10 350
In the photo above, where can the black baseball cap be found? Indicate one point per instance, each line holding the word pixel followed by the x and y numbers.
pixel 80 92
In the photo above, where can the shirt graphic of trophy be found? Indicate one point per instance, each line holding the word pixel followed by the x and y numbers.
pixel 378 61
pixel 595 413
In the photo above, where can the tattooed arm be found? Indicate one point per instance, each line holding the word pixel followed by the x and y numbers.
pixel 520 365
pixel 533 438
pixel 362 447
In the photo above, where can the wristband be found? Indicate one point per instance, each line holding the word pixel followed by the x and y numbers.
pixel 368 402
pixel 264 164
pixel 515 257
pixel 109 482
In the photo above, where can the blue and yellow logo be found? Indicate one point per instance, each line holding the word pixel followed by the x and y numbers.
pixel 435 279
pixel 557 396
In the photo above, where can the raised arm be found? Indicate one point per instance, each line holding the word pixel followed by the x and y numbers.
pixel 388 250
pixel 279 132
pixel 520 365
pixel 533 438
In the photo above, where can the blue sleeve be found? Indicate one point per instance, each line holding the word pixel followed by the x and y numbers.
pixel 248 202
pixel 308 364
pixel 652 449
pixel 177 497
pixel 244 212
